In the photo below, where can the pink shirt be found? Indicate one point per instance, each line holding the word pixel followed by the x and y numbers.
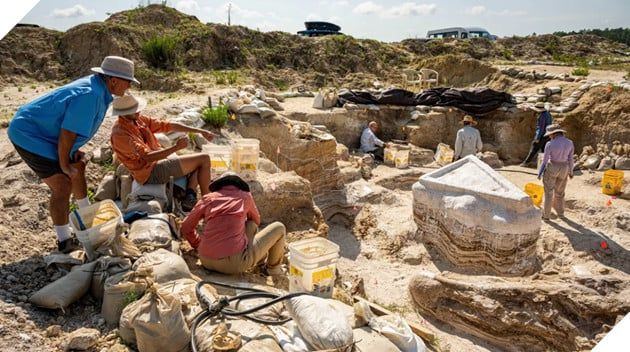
pixel 224 214
pixel 558 150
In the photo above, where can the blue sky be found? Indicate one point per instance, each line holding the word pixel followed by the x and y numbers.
pixel 386 20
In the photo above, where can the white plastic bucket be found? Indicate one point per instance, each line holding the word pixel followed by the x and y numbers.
pixel 220 158
pixel 95 224
pixel 401 159
pixel 312 265
pixel 245 157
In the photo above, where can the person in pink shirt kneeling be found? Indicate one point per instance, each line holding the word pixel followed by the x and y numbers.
pixel 229 242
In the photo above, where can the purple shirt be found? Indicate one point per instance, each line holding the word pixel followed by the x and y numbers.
pixel 558 150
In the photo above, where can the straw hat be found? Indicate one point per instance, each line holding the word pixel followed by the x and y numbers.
pixel 551 129
pixel 127 105
pixel 117 66
pixel 229 179
pixel 470 119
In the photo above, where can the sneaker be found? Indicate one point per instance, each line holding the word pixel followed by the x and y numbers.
pixel 189 200
pixel 68 245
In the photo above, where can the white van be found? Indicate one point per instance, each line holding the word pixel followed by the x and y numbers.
pixel 460 32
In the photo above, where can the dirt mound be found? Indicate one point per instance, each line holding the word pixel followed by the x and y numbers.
pixel 603 115
pixel 31 52
pixel 477 48
pixel 332 60
pixel 153 16
pixel 457 70
pixel 551 47
pixel 85 45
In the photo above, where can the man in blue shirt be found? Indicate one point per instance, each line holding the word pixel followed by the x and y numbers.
pixel 540 140
pixel 48 132
pixel 370 144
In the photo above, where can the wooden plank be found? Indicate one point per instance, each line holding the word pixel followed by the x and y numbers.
pixel 425 333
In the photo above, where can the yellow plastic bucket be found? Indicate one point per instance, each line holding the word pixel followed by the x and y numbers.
pixel 535 192
pixel 612 182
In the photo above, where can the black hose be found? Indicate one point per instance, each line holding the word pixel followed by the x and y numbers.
pixel 222 306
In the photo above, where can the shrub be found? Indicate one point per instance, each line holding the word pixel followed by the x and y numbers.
pixel 161 52
pixel 281 85
pixel 232 77
pixel 215 117
pixel 219 77
pixel 580 71
pixel 507 54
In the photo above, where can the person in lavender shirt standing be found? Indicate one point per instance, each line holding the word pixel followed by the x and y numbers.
pixel 556 169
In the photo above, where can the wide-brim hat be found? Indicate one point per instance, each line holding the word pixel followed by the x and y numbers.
pixel 117 66
pixel 470 119
pixel 551 129
pixel 539 107
pixel 229 179
pixel 127 105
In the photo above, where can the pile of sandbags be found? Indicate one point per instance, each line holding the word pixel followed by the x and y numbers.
pixel 605 157
pixel 325 99
pixel 252 101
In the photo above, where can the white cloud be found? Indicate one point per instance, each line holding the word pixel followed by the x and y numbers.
pixel 368 8
pixel 411 9
pixel 508 13
pixel 313 16
pixel 238 11
pixel 403 10
pixel 342 3
pixel 187 5
pixel 334 19
pixel 477 10
pixel 74 11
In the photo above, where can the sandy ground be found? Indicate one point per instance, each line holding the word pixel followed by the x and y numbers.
pixel 385 271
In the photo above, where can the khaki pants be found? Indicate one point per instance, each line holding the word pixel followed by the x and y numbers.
pixel 555 182
pixel 268 243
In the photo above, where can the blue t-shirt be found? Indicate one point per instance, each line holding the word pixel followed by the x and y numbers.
pixel 78 107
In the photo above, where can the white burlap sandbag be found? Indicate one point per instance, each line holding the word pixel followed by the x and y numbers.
pixel 66 290
pixel 151 233
pixel 166 266
pixel 157 322
pixel 321 325
pixel 106 267
pixel 120 290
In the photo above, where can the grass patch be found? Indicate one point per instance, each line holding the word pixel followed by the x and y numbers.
pixel 108 166
pixel 73 204
pixel 507 54
pixel 281 85
pixel 161 52
pixel 570 59
pixel 232 77
pixel 130 297
pixel 225 77
pixel 215 116
pixel 580 71
pixel 219 77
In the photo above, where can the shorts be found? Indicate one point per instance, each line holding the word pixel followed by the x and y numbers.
pixel 163 170
pixel 43 167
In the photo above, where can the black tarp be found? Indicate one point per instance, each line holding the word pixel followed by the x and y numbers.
pixel 474 101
